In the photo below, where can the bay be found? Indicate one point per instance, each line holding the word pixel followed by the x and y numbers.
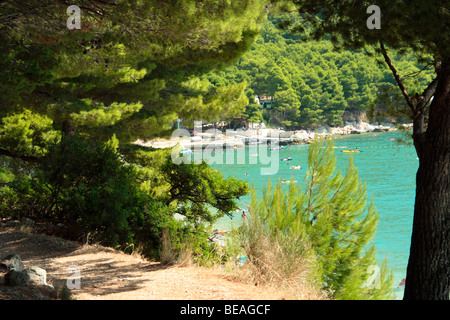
pixel 388 169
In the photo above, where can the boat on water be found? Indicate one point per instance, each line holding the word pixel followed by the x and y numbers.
pixel 296 167
pixel 351 151
pixel 288 181
pixel 286 159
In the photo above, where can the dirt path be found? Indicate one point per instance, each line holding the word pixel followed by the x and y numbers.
pixel 107 274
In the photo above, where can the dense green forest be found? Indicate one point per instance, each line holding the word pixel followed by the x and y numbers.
pixel 313 84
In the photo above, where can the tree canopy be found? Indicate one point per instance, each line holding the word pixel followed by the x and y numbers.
pixel 129 70
pixel 72 102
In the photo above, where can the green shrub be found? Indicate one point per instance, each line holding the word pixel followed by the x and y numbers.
pixel 22 193
pixel 322 233
pixel 186 243
pixel 91 188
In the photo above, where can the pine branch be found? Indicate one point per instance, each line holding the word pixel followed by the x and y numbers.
pixel 4 152
pixel 423 100
pixel 425 97
pixel 397 78
pixel 416 73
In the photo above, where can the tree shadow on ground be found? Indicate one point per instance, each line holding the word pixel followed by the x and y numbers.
pixel 102 270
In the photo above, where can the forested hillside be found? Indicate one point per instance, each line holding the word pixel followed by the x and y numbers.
pixel 313 84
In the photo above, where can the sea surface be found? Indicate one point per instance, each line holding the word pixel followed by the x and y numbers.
pixel 387 167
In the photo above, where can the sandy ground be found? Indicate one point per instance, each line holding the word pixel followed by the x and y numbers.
pixel 107 274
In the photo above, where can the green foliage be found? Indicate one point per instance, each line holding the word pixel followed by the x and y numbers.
pixel 110 78
pixel 27 133
pixel 21 191
pixel 195 188
pixel 341 225
pixel 72 102
pixel 185 243
pixel 88 187
pixel 421 25
pixel 328 224
pixel 313 84
pixel 213 103
pixel 100 194
pixel 23 198
pixel 195 191
pixel 94 190
pixel 423 28
pixel 273 239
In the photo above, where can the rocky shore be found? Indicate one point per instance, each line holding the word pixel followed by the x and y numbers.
pixel 214 138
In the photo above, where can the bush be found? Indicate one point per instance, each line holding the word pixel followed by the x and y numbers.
pixel 22 193
pixel 186 243
pixel 321 234
pixel 89 187
pixel 272 247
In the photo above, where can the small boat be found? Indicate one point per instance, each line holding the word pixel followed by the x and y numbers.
pixel 286 159
pixel 296 167
pixel 351 151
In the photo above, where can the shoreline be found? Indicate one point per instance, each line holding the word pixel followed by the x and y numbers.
pixel 215 138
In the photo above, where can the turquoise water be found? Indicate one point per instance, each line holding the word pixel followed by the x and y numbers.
pixel 388 169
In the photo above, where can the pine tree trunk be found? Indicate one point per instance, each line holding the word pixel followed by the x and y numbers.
pixel 428 273
pixel 68 128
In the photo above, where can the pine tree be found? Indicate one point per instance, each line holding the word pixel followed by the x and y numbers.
pixel 341 225
pixel 423 27
pixel 132 68
pixel 72 102
pixel 328 223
